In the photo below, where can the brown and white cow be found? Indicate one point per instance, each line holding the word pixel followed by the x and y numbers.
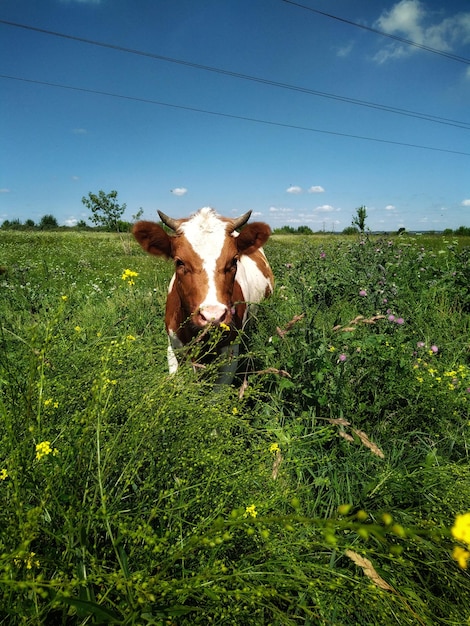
pixel 219 274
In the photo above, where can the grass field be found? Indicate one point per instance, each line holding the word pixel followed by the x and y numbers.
pixel 322 492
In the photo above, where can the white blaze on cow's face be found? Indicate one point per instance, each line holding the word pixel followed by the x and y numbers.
pixel 206 263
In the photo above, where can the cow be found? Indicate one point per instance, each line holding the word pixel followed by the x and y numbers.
pixel 220 274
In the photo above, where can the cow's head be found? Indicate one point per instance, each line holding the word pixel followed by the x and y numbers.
pixel 205 249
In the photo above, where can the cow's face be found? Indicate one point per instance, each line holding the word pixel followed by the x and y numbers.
pixel 205 250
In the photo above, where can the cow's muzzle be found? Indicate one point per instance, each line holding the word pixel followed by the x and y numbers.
pixel 214 314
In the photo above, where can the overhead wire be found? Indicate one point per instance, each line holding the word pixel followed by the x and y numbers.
pixel 232 116
pixel 409 42
pixel 364 103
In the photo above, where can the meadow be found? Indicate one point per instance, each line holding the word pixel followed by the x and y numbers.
pixel 330 487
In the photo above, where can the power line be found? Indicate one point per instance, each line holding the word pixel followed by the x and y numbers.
pixel 265 81
pixel 409 42
pixel 231 116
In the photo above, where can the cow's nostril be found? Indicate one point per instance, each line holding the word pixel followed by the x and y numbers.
pixel 213 314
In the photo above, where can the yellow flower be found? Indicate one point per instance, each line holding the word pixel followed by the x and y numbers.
pixel 251 511
pixel 77 329
pixel 331 349
pixel 235 410
pixel 461 528
pixel 30 561
pixel 224 326
pixel 130 338
pixel 462 556
pixel 128 274
pixel 44 448
pixel 65 298
pixel 274 448
pixel 3 474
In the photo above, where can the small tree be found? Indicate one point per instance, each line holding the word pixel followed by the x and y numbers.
pixel 105 210
pixel 48 221
pixel 360 219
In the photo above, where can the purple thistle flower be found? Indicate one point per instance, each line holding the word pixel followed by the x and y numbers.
pixel 399 320
pixel 391 318
pixel 363 293
pixel 435 349
pixel 342 357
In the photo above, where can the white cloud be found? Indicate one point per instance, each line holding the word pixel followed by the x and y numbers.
pixel 294 189
pixel 80 131
pixel 345 51
pixel 4 190
pixel 466 202
pixel 274 209
pixel 324 208
pixel 71 221
pixel 411 19
pixel 75 177
pixel 179 191
pixel 390 207
pixel 316 189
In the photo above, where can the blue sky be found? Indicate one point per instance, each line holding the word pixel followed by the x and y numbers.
pixel 180 137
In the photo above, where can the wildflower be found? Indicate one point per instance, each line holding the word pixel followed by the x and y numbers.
pixel 234 411
pixel 434 350
pixel 323 255
pixel 251 511
pixel 3 474
pixel 391 318
pixel 65 298
pixel 461 528
pixel 342 358
pixel 274 448
pixel 43 449
pixel 363 293
pixel 29 561
pixel 420 344
pixel 77 329
pixel 331 349
pixel 130 338
pixel 129 274
pixel 225 327
pixel 399 320
pixel 461 555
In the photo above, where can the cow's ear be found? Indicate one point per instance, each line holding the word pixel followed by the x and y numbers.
pixel 252 237
pixel 152 238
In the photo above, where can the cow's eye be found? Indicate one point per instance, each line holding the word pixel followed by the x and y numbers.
pixel 179 263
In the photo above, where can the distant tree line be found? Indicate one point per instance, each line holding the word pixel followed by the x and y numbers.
pixel 106 215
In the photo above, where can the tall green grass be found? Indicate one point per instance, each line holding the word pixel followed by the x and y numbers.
pixel 320 490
